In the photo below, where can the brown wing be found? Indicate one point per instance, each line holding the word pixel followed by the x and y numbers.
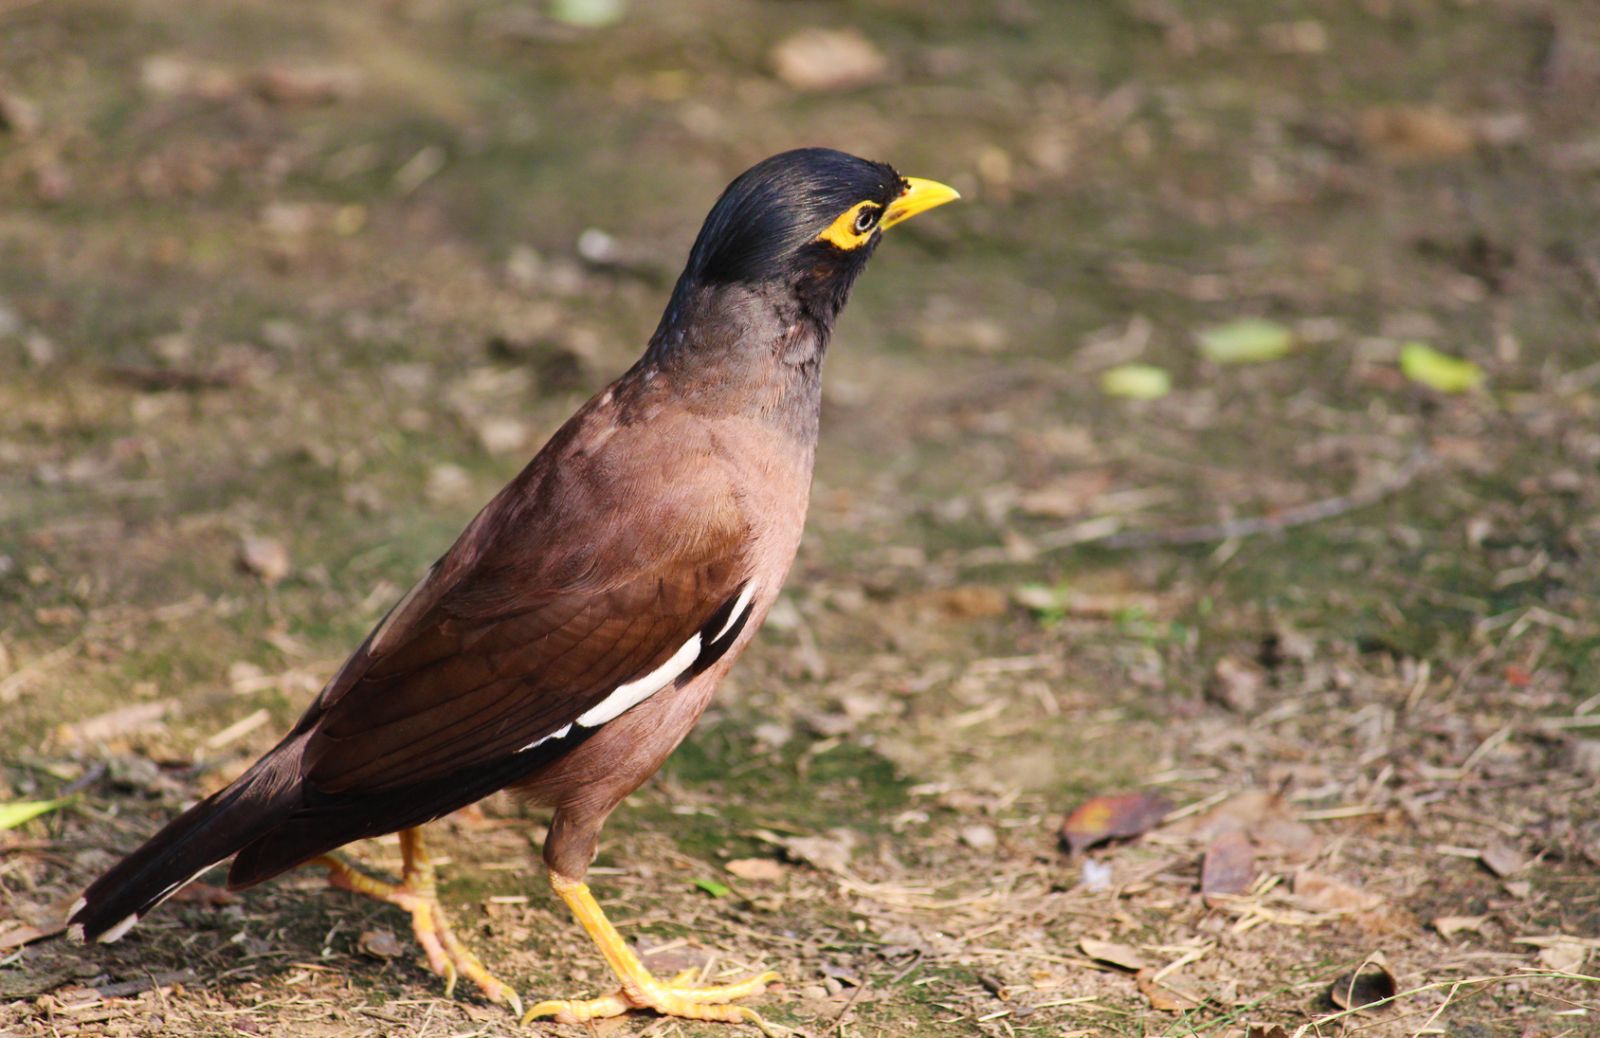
pixel 582 576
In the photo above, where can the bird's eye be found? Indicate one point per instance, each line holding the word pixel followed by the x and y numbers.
pixel 854 227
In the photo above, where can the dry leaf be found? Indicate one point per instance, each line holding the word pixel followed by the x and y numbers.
pixel 667 957
pixel 1068 497
pixel 829 853
pixel 966 602
pixel 113 724
pixel 1237 813
pixel 239 729
pixel 756 870
pixel 1120 955
pixel 380 944
pixel 977 334
pixel 170 75
pixel 1450 925
pixel 978 837
pixel 1170 994
pixel 306 85
pixel 1320 893
pixel 18 115
pixel 502 434
pixel 1502 859
pixel 1407 133
pixel 1371 982
pixel 24 933
pixel 1583 756
pixel 1285 836
pixel 828 59
pixel 1236 684
pixel 1264 816
pixel 1229 866
pixel 1118 816
pixel 57 616
pixel 265 557
pixel 448 483
pixel 1306 36
pixel 1564 956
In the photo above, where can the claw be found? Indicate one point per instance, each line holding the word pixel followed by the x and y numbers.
pixel 640 989
pixel 417 894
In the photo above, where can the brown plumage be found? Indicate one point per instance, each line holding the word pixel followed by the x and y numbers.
pixel 570 638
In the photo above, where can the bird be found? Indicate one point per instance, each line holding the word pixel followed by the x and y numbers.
pixel 573 634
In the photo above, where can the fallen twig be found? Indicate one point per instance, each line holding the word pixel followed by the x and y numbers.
pixel 148 982
pixel 1248 526
pixel 94 774
pixel 838 1021
pixel 11 686
pixel 153 379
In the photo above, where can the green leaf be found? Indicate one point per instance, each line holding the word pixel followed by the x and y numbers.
pixel 1136 382
pixel 16 812
pixel 712 887
pixel 1250 340
pixel 1049 604
pixel 1422 363
pixel 588 14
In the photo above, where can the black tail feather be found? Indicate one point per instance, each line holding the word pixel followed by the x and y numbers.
pixel 203 836
pixel 273 820
pixel 322 824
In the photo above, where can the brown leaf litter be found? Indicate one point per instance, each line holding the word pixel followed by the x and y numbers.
pixel 1121 816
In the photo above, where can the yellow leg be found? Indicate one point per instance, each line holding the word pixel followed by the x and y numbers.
pixel 641 990
pixel 417 893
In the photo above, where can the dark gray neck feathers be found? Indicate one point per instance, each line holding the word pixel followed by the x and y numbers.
pixel 751 350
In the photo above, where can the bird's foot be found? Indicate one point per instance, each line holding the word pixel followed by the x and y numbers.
pixel 675 997
pixel 640 989
pixel 417 895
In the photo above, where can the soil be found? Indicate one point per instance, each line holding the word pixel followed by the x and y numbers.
pixel 287 291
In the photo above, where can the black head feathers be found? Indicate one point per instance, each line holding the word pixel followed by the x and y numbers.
pixel 770 217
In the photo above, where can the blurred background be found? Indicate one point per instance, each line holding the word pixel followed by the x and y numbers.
pixel 1235 443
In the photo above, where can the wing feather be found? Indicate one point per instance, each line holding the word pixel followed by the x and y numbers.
pixel 508 640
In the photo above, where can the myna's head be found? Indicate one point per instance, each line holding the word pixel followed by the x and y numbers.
pixel 808 219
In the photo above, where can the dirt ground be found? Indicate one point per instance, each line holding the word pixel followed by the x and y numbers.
pixel 288 290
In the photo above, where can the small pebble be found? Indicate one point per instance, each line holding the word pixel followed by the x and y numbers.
pixel 978 837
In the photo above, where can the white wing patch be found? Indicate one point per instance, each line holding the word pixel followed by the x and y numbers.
pixel 637 691
pixel 116 932
pixel 738 610
pixel 559 733
pixel 629 695
pixel 178 886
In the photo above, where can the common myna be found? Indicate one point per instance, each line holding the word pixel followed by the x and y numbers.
pixel 573 634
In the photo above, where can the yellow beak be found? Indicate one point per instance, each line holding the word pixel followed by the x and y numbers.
pixel 919 196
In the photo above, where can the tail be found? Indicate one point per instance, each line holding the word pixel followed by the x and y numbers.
pixel 203 836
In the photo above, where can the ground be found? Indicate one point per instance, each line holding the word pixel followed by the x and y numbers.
pixel 286 291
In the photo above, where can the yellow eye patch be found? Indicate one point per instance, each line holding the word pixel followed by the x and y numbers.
pixel 854 226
